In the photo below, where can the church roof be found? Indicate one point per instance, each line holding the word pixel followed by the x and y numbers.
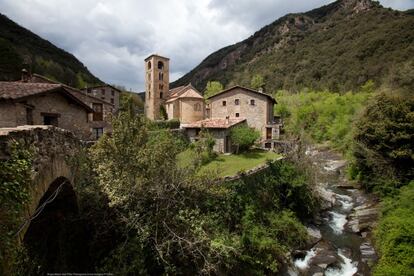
pixel 187 91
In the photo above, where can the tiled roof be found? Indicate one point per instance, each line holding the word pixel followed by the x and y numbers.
pixel 15 90
pixel 19 90
pixel 187 91
pixel 215 123
pixel 244 88
pixel 81 95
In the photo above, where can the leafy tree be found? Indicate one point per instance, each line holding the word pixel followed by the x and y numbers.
pixel 212 88
pixel 257 81
pixel 244 137
pixel 384 143
pixel 203 148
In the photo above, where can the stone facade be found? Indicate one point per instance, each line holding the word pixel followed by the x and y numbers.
pixel 52 146
pixel 157 85
pixel 52 108
pixel 107 93
pixel 239 102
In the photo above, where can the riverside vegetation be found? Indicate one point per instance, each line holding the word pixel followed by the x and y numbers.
pixel 141 213
pixel 375 131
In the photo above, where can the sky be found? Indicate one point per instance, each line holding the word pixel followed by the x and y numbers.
pixel 113 37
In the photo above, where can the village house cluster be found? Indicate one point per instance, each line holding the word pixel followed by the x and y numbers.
pixel 37 100
pixel 217 114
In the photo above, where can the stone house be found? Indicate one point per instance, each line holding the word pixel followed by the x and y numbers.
pixel 219 130
pixel 107 93
pixel 256 107
pixel 24 103
pixel 186 104
pixel 99 119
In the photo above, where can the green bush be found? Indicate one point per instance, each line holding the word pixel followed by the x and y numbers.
pixel 243 137
pixel 321 115
pixel 164 124
pixel 394 235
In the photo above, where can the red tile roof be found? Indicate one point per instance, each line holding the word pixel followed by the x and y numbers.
pixel 19 90
pixel 187 91
pixel 215 123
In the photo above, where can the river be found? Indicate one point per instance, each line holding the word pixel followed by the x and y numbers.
pixel 341 242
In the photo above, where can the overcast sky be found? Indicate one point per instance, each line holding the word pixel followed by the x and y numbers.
pixel 112 37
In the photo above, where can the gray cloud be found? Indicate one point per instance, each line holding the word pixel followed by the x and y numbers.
pixel 112 38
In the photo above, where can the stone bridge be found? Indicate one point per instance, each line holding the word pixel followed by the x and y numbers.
pixel 51 170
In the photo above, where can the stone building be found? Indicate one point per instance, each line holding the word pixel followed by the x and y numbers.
pixel 24 103
pixel 183 103
pixel 157 85
pixel 99 120
pixel 186 104
pixel 219 130
pixel 254 106
pixel 105 92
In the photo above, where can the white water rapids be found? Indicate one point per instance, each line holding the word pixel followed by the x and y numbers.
pixel 348 268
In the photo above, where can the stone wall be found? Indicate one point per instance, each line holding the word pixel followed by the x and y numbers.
pixel 257 115
pixel 52 147
pixel 71 116
pixel 188 114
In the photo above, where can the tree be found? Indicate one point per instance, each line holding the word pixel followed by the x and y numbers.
pixel 157 199
pixel 212 88
pixel 257 81
pixel 244 137
pixel 384 143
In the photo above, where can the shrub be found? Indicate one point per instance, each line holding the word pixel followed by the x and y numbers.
pixel 244 137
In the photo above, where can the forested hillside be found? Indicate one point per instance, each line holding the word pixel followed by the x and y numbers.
pixel 20 48
pixel 337 47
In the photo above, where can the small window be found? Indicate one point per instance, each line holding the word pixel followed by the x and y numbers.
pixel 224 103
pixel 97 132
pixel 112 92
pixel 149 65
pixel 160 65
pixel 50 119
pixel 237 115
pixel 29 116
pixel 252 102
pixel 160 95
pixel 97 112
pixel 112 101
pixel 236 101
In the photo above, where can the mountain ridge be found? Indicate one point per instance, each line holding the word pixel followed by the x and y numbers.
pixel 21 48
pixel 288 52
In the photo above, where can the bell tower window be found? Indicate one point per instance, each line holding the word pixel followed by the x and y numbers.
pixel 160 65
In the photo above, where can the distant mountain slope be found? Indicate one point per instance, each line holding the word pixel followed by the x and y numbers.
pixel 338 47
pixel 20 48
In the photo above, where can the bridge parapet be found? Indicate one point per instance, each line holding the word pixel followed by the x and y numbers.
pixel 51 147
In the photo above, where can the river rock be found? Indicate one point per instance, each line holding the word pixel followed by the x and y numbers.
pixel 362 218
pixel 325 255
pixel 314 235
pixel 328 197
pixel 368 253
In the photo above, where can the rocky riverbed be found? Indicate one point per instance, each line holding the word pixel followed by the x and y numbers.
pixel 341 238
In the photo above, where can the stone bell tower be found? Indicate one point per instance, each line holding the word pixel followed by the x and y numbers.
pixel 156 85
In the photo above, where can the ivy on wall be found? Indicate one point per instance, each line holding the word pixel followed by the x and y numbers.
pixel 15 177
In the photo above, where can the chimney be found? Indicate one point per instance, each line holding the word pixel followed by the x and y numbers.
pixel 227 120
pixel 25 75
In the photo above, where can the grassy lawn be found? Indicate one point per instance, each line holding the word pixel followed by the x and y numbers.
pixel 227 165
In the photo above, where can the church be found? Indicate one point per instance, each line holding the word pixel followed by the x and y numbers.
pixel 184 103
pixel 218 114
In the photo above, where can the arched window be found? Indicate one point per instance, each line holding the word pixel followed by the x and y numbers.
pixel 197 107
pixel 160 65
pixel 149 65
